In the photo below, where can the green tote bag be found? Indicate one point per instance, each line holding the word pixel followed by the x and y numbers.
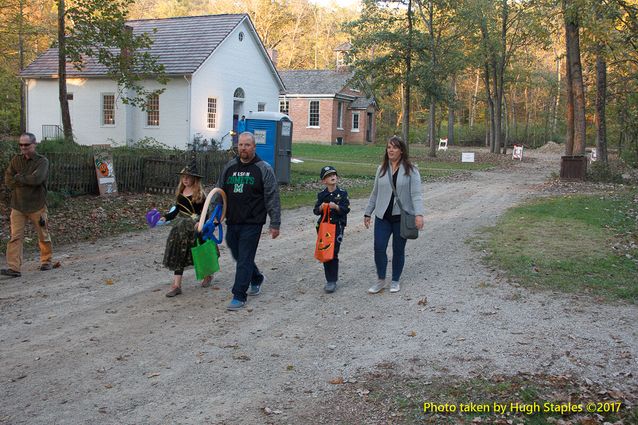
pixel 205 259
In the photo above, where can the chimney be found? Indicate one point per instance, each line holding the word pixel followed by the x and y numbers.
pixel 272 53
pixel 125 52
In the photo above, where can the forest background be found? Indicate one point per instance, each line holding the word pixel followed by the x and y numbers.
pixel 481 72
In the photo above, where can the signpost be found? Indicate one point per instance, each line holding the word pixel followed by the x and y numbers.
pixel 517 153
pixel 467 157
pixel 104 169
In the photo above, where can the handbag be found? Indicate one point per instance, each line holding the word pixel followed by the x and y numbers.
pixel 205 258
pixel 407 228
pixel 325 245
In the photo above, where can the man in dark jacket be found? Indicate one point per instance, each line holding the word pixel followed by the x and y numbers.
pixel 27 176
pixel 252 193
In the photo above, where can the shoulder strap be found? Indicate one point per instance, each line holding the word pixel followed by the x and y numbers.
pixel 393 188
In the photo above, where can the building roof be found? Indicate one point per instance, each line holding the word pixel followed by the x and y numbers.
pixel 181 44
pixel 363 103
pixel 343 47
pixel 311 82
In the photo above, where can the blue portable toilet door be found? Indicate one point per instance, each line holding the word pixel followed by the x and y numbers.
pixel 265 132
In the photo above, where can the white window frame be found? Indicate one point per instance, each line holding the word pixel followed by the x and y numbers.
pixel 310 102
pixel 211 113
pixel 149 111
pixel 357 128
pixel 339 115
pixel 284 107
pixel 103 122
pixel 261 106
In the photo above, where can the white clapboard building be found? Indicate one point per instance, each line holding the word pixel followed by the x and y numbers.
pixel 218 67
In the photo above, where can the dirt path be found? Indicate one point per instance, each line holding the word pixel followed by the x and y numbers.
pixel 75 350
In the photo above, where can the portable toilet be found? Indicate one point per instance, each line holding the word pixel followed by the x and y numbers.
pixel 273 140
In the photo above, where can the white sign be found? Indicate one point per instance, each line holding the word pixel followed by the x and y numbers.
pixel 518 152
pixel 467 157
pixel 286 127
pixel 442 144
pixel 260 137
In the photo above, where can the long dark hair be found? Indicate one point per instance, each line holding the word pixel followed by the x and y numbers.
pixel 397 142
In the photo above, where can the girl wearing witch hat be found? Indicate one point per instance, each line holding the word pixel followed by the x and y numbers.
pixel 184 215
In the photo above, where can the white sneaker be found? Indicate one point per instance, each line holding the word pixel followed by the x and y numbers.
pixel 378 287
pixel 394 286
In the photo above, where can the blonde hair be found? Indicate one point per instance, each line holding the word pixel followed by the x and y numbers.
pixel 198 190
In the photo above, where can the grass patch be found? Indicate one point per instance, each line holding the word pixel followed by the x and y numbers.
pixel 357 166
pixel 530 399
pixel 571 243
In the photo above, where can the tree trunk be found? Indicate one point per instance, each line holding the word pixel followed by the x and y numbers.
pixel 489 119
pixel 499 79
pixel 450 115
pixel 432 132
pixel 23 123
pixel 506 123
pixel 578 89
pixel 557 101
pixel 473 104
pixel 601 99
pixel 569 109
pixel 513 111
pixel 623 130
pixel 64 101
pixel 406 91
pixel 488 136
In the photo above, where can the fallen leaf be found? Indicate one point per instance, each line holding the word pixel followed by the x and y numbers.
pixel 153 375
pixel 412 333
pixel 337 381
pixel 423 301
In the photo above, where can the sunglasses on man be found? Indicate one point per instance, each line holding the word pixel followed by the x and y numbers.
pixel 24 145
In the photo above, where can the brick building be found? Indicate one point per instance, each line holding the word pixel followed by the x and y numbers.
pixel 326 108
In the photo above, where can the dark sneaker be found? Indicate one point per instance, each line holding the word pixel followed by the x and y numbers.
pixel 254 290
pixel 235 305
pixel 10 273
pixel 174 292
pixel 46 266
pixel 330 287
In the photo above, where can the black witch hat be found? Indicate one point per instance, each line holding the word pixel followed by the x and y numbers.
pixel 191 169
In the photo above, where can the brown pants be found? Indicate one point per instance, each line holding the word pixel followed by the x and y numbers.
pixel 14 248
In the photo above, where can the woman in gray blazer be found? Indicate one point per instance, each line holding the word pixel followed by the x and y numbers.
pixel 407 181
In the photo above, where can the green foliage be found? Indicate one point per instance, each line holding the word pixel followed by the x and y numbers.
pixel 10 104
pixel 201 144
pixel 604 172
pixel 62 145
pixel 566 243
pixel 97 30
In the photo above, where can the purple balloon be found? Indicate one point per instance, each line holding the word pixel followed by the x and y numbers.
pixel 152 217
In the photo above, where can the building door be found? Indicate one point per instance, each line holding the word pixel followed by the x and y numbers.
pixel 369 127
pixel 238 112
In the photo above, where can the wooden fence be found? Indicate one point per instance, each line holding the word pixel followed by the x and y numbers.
pixel 74 173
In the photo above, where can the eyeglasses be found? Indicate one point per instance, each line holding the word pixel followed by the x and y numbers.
pixel 24 145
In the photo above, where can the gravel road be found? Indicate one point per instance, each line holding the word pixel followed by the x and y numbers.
pixel 96 341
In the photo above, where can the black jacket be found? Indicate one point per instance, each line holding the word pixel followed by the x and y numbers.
pixel 252 192
pixel 339 197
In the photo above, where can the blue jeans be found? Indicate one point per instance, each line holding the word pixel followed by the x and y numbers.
pixel 382 231
pixel 243 239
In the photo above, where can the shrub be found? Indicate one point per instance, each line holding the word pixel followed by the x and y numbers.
pixel 605 173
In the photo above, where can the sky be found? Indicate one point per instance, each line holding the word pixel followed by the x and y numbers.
pixel 351 4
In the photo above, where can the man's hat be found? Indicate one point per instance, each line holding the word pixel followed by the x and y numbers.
pixel 326 171
pixel 191 169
